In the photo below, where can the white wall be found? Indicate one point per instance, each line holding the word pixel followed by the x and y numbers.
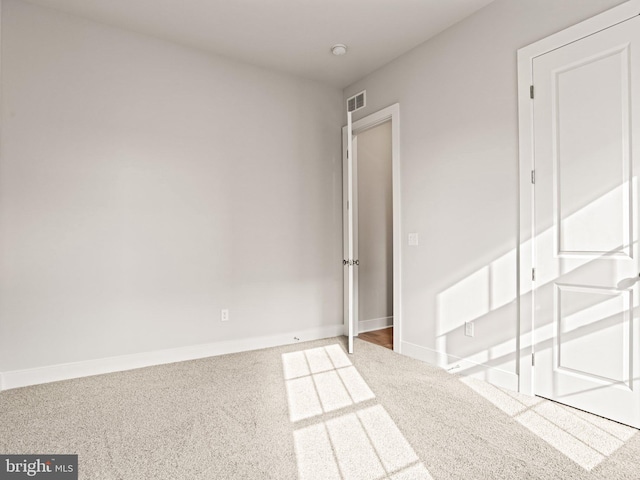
pixel 145 186
pixel 375 224
pixel 459 163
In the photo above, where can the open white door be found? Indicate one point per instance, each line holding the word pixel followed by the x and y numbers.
pixel 350 220
pixel 349 245
pixel 586 103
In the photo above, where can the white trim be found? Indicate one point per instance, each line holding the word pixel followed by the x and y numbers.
pixel 374 324
pixel 352 287
pixel 526 55
pixel 1 103
pixel 392 113
pixel 458 365
pixel 583 29
pixel 54 373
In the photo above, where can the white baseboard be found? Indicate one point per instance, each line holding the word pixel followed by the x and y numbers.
pixel 54 373
pixel 453 364
pixel 374 324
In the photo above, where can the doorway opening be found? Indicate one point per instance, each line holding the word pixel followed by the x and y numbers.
pixel 373 212
pixel 372 229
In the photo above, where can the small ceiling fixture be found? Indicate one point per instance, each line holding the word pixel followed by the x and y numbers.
pixel 339 49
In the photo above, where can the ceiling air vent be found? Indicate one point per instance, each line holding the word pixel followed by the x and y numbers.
pixel 357 102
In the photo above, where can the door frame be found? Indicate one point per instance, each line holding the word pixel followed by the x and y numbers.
pixel 526 234
pixel 390 113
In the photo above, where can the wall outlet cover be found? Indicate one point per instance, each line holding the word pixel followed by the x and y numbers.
pixel 469 329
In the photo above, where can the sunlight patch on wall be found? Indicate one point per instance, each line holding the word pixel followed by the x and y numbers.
pixel 584 438
pixel 493 285
pixel 465 301
pixel 502 284
pixel 489 288
pixel 478 296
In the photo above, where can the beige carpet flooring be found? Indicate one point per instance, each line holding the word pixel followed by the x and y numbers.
pixel 309 411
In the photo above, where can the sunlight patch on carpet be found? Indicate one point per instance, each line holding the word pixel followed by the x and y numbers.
pixel 365 445
pixel 321 380
pixel 361 445
pixel 584 438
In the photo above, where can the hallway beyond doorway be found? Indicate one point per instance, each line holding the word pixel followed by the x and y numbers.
pixel 383 337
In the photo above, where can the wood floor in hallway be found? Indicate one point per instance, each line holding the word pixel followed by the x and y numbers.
pixel 382 337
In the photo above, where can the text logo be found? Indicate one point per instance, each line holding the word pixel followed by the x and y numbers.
pixel 49 467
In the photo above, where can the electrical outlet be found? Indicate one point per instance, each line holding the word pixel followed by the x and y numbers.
pixel 224 315
pixel 469 329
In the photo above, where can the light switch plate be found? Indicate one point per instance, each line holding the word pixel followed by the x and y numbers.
pixel 413 239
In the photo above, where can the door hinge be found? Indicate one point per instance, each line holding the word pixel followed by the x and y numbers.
pixel 533 274
pixel 533 176
pixel 533 359
pixel 531 91
pixel 351 263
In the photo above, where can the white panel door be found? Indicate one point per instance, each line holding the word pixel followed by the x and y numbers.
pixel 587 154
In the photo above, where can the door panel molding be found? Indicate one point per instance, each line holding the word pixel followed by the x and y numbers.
pixel 613 63
pixel 525 252
pixel 619 360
